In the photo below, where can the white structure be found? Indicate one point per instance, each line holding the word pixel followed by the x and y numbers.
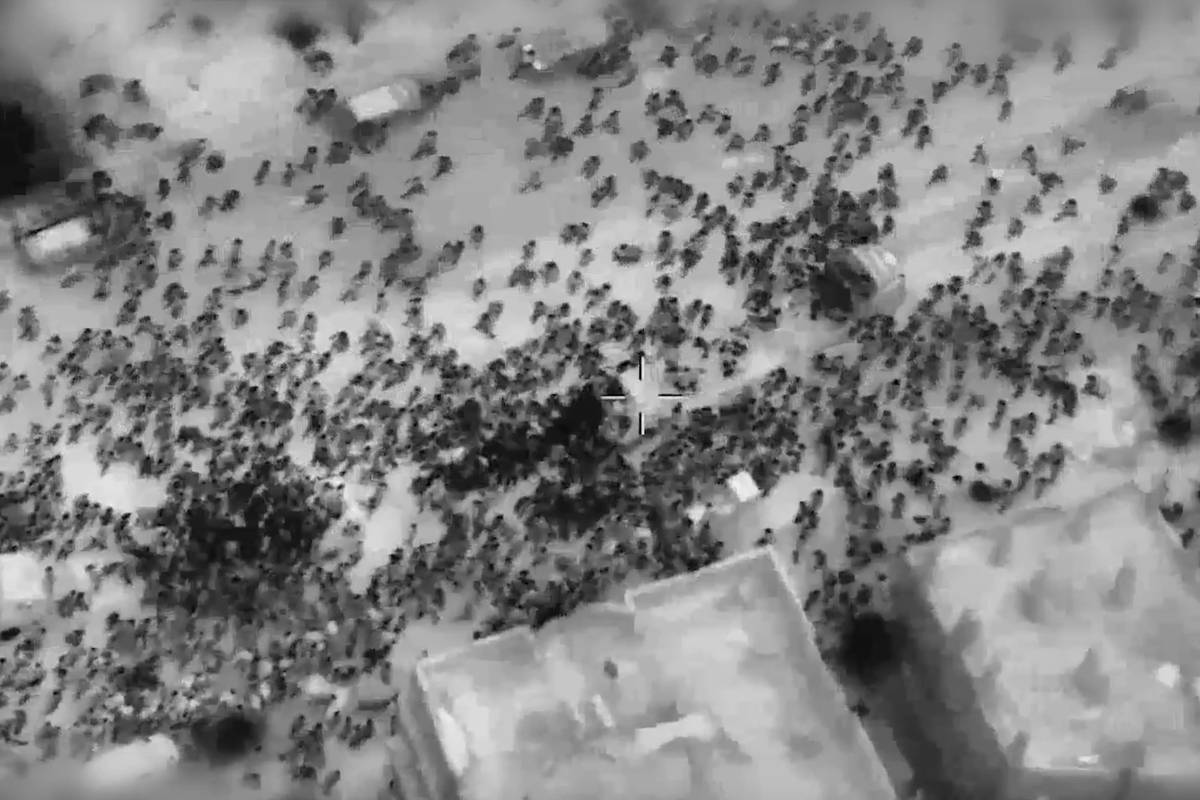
pixel 131 765
pixel 60 239
pixel 378 104
pixel 505 718
pixel 743 487
pixel 454 742
pixel 22 580
pixel 57 228
pixel 699 727
pixel 743 161
pixel 725 499
pixel 1055 661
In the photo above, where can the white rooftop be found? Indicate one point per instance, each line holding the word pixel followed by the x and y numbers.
pixel 1077 634
pixel 703 686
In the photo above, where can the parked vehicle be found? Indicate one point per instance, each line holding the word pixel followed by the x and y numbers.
pixel 402 96
pixel 61 227
pixel 859 281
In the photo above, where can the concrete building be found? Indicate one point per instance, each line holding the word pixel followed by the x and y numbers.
pixel 1057 656
pixel 704 686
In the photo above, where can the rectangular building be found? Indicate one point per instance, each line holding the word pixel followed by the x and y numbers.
pixel 1059 655
pixel 705 686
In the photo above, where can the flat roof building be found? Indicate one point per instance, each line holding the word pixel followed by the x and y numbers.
pixel 706 685
pixel 1057 654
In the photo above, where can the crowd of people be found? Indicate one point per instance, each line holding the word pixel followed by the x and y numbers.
pixel 237 578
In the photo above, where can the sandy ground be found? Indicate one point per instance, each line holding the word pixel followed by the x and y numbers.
pixel 246 88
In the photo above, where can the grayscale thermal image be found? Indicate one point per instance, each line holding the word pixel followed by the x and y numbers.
pixel 599 400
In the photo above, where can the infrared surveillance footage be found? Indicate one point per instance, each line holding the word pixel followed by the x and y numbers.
pixel 596 399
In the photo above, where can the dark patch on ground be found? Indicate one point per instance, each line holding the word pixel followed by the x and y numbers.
pixel 144 676
pixel 1129 101
pixel 1145 208
pixel 1175 429
pixel 1134 131
pixel 298 31
pixel 200 24
pixel 34 139
pixel 981 492
pixel 870 646
pixel 229 737
pixel 249 533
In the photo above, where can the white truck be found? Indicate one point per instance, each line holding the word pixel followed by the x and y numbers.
pixel 385 102
pixel 413 95
pixel 54 230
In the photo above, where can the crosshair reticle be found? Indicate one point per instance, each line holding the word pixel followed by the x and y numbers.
pixel 641 415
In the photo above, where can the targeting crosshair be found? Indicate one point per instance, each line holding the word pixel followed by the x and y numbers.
pixel 641 415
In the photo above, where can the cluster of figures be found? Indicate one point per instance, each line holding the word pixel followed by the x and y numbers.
pixel 244 603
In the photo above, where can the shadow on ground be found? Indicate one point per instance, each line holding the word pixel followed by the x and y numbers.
pixel 35 138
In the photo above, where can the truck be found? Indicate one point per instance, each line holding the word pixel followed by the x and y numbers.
pixel 409 96
pixel 61 226
pixel 393 99
pixel 857 281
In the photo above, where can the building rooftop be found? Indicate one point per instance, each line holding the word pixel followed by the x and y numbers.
pixel 1071 638
pixel 702 686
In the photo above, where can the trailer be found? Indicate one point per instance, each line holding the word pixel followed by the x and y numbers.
pixel 397 98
